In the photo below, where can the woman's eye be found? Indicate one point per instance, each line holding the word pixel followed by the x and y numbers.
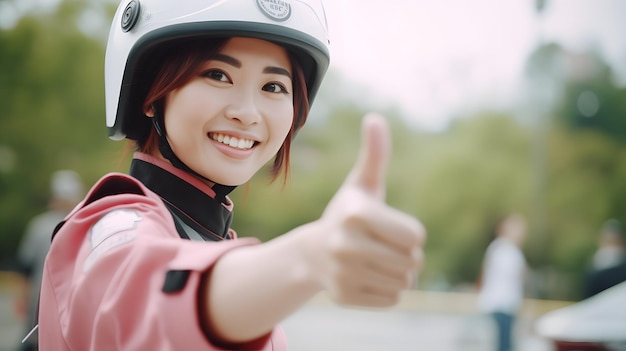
pixel 275 88
pixel 216 75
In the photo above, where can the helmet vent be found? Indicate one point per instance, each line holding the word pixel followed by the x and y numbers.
pixel 130 15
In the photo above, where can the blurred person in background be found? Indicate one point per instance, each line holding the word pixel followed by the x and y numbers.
pixel 608 264
pixel 502 278
pixel 66 190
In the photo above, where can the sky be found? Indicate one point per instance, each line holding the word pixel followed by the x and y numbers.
pixel 434 59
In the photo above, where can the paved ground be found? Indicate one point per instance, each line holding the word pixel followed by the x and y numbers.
pixel 323 326
pixel 330 328
pixel 9 327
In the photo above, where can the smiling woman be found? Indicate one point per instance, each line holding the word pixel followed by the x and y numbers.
pixel 253 105
pixel 212 71
pixel 208 103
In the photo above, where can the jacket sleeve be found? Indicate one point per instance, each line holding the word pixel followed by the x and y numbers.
pixel 119 277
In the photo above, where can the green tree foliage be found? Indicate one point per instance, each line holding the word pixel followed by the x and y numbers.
pixel 593 102
pixel 52 98
pixel 472 175
pixel 584 150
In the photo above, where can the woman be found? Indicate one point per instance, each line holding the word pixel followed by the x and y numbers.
pixel 210 91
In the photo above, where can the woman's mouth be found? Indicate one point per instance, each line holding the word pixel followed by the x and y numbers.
pixel 237 143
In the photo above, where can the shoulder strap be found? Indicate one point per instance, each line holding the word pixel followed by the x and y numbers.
pixel 113 184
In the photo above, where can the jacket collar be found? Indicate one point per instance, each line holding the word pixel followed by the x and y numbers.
pixel 188 198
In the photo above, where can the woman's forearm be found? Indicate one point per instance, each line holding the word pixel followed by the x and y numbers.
pixel 361 251
pixel 251 289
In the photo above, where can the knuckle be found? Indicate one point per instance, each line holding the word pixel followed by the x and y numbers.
pixel 396 299
pixel 354 213
pixel 418 258
pixel 390 300
pixel 420 231
pixel 417 231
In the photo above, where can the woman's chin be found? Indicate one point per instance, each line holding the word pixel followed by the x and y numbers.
pixel 230 181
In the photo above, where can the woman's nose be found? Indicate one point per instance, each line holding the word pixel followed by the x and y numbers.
pixel 244 109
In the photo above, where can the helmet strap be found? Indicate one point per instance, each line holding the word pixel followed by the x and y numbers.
pixel 166 150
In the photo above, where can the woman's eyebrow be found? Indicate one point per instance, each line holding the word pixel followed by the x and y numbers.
pixel 277 70
pixel 236 63
pixel 226 59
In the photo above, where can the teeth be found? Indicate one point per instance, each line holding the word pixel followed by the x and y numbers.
pixel 231 141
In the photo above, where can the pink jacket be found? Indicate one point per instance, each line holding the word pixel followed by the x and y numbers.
pixel 104 276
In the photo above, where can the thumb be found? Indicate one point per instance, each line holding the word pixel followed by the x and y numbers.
pixel 370 171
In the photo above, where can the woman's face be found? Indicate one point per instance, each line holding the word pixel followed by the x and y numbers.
pixel 234 115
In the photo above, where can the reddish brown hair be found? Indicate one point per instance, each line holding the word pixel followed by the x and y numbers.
pixel 185 61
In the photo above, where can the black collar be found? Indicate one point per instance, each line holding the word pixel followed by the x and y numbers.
pixel 203 214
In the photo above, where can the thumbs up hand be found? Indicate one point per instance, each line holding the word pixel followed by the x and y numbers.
pixel 367 251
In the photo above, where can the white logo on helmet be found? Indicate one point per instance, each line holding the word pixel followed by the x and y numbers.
pixel 278 10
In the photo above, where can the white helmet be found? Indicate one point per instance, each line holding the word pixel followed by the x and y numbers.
pixel 141 28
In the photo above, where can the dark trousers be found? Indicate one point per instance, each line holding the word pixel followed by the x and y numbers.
pixel 504 324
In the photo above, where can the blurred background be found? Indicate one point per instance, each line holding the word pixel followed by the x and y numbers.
pixel 496 107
